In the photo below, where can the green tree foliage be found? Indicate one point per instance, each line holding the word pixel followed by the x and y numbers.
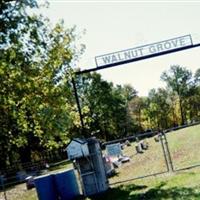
pixel 35 59
pixel 158 108
pixel 126 93
pixel 193 98
pixel 175 105
pixel 136 108
pixel 104 106
pixel 175 118
pixel 37 105
pixel 178 80
pixel 197 77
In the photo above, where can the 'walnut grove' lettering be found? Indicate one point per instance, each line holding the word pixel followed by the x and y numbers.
pixel 138 52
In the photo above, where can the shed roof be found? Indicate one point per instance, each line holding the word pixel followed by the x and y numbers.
pixel 78 140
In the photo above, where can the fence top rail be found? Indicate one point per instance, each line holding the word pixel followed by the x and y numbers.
pixel 138 135
pixel 151 134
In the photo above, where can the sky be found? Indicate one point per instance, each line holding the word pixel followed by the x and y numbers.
pixel 118 25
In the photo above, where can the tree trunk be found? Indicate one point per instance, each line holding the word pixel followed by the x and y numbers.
pixel 25 154
pixel 181 110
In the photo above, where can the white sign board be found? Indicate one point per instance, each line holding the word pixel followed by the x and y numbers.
pixel 114 149
pixel 143 51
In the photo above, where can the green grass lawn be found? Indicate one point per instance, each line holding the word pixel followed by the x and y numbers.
pixel 19 192
pixel 184 145
pixel 149 162
pixel 183 186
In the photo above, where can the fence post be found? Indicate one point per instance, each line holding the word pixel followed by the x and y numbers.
pixel 168 153
pixel 164 152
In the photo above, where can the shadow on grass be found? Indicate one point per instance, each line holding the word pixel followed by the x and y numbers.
pixel 140 192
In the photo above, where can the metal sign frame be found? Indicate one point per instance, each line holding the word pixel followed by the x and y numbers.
pixel 144 50
pixel 121 63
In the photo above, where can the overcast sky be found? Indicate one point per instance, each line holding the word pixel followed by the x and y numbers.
pixel 115 26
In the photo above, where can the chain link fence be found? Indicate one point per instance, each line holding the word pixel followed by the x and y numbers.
pixel 147 157
pixel 184 146
pixel 149 154
pixel 17 179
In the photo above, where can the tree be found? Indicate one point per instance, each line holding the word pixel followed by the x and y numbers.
pixel 136 107
pixel 174 108
pixel 193 97
pixel 159 108
pixel 197 77
pixel 35 59
pixel 178 79
pixel 104 106
pixel 127 93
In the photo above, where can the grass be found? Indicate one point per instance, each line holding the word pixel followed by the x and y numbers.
pixel 19 192
pixel 184 146
pixel 149 162
pixel 56 167
pixel 181 185
pixel 172 187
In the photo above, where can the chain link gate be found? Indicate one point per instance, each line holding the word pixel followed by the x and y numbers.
pixel 184 146
pixel 149 156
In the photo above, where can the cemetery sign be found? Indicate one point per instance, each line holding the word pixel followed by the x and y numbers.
pixel 143 51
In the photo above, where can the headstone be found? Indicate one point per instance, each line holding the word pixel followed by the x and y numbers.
pixel 144 145
pixel 117 164
pixel 127 142
pixel 138 148
pixel 156 138
pixel 114 149
pixel 124 159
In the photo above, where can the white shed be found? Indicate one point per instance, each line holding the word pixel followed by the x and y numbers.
pixel 77 148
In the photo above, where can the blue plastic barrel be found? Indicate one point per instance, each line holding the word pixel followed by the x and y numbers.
pixel 45 187
pixel 66 185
